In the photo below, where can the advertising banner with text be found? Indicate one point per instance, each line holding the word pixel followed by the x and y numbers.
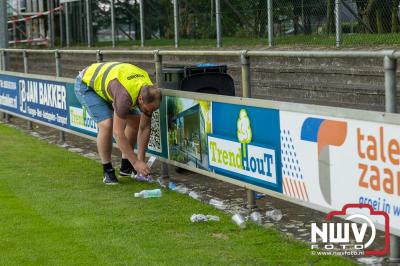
pixel 332 162
pixel 55 103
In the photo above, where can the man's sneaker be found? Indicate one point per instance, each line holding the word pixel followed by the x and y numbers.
pixel 110 178
pixel 127 172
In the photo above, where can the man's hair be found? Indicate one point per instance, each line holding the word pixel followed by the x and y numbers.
pixel 151 94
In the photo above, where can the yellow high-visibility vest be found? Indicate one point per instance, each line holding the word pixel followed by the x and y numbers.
pixel 99 75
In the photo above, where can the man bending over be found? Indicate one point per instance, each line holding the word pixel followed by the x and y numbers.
pixel 120 98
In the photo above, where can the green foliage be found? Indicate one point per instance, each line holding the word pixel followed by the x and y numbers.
pixel 174 107
pixel 361 40
pixel 177 156
pixel 247 19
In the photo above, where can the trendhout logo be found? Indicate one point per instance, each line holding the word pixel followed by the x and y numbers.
pixel 354 236
pixel 241 157
pixel 79 118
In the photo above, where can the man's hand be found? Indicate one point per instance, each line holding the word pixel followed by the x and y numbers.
pixel 143 135
pixel 124 145
pixel 142 168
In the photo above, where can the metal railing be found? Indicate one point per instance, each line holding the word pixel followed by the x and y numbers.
pixel 389 60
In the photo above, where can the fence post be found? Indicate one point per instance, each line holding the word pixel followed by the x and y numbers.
pixel 3 60
pixel 3 24
pixel 158 66
pixel 338 18
pixel 50 17
pixel 57 56
pixel 7 118
pixel 14 30
pixel 394 249
pixel 176 23
pixel 61 26
pixel 99 56
pixel 67 31
pixel 159 78
pixel 112 24
pixel 251 199
pixel 89 22
pixel 390 66
pixel 245 62
pixel 3 37
pixel 25 57
pixel 26 70
pixel 270 24
pixel 246 93
pixel 141 23
pixel 218 21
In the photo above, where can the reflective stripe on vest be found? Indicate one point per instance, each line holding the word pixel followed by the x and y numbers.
pixel 104 78
pixel 96 72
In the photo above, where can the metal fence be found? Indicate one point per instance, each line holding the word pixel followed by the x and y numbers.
pixel 389 57
pixel 219 22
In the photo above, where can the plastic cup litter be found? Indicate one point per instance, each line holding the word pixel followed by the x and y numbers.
pixel 239 220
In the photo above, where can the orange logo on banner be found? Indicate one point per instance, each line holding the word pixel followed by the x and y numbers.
pixel 376 149
pixel 331 133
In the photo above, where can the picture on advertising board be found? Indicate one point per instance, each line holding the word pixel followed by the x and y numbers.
pixel 189 122
pixel 245 144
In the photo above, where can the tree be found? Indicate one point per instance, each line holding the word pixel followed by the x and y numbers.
pixel 394 16
pixel 380 15
pixel 302 12
pixel 260 17
pixel 330 16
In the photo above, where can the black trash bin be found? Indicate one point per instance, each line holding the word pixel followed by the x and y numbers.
pixel 172 77
pixel 204 78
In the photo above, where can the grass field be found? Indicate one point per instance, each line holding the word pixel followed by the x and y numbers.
pixel 389 40
pixel 55 211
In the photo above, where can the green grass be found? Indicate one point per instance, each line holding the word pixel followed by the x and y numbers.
pixel 389 40
pixel 55 211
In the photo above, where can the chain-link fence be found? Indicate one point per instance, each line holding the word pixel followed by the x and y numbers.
pixel 295 22
pixel 303 22
pixel 229 22
pixel 370 22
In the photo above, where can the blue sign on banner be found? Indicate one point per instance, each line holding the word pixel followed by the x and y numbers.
pixel 37 99
pixel 245 144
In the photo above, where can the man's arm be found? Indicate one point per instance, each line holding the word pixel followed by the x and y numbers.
pixel 124 145
pixel 143 135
